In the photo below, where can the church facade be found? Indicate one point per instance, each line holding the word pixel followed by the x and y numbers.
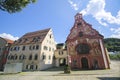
pixel 85 46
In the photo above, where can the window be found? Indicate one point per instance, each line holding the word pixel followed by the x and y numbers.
pixel 23 48
pixel 53 49
pixel 60 52
pixel 30 57
pixel 31 66
pixel 15 48
pixel 33 47
pixel 74 62
pixel 45 48
pixel 50 36
pixel 36 57
pixel 43 57
pixel 25 40
pixel 21 57
pixel 36 39
pixel 49 48
pixel 79 24
pixel 80 34
pixel 33 39
pixel 49 57
pixel 37 47
pixel 83 48
pixel 12 57
pixel 18 48
pixel 26 66
pixel 30 47
pixel 36 66
pixel 20 40
pixel 9 57
pixel 15 57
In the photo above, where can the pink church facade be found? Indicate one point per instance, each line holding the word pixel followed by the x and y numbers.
pixel 85 46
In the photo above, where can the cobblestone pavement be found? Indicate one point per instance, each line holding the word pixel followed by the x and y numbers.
pixel 53 74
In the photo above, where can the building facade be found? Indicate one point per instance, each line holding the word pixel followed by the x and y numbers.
pixel 85 46
pixel 34 50
pixel 4 50
pixel 60 55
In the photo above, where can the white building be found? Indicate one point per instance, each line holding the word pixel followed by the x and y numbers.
pixel 34 49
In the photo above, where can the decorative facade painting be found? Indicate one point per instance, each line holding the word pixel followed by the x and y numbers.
pixel 85 46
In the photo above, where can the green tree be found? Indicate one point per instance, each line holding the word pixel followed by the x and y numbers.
pixel 13 6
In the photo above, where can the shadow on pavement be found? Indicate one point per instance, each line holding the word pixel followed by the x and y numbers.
pixel 109 78
pixel 55 69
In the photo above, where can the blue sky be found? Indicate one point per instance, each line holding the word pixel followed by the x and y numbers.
pixel 103 15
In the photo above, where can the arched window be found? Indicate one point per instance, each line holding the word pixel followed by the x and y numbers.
pixel 30 57
pixel 36 57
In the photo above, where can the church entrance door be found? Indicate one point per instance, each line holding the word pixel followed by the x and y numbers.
pixel 84 63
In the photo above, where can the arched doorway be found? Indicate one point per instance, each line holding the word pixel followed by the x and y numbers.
pixel 62 61
pixel 84 63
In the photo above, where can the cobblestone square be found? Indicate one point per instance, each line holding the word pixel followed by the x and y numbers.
pixel 54 74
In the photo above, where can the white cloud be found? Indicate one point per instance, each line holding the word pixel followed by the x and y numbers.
pixel 8 36
pixel 73 5
pixel 96 8
pixel 116 32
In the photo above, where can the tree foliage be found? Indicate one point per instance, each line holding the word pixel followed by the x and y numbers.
pixel 115 56
pixel 112 44
pixel 13 6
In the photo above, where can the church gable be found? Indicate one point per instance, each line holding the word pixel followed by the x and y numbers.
pixel 82 29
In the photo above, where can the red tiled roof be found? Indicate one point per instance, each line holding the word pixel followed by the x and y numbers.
pixel 32 37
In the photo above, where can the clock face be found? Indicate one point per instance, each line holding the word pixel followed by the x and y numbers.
pixel 83 49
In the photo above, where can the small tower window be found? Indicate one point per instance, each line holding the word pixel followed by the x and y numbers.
pixel 79 24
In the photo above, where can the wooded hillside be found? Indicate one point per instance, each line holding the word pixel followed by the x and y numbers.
pixel 112 44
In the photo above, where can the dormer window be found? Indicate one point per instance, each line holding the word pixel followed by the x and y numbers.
pixel 33 39
pixel 20 40
pixel 36 39
pixel 25 40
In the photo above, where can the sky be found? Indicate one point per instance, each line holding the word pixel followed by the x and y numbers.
pixel 103 15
